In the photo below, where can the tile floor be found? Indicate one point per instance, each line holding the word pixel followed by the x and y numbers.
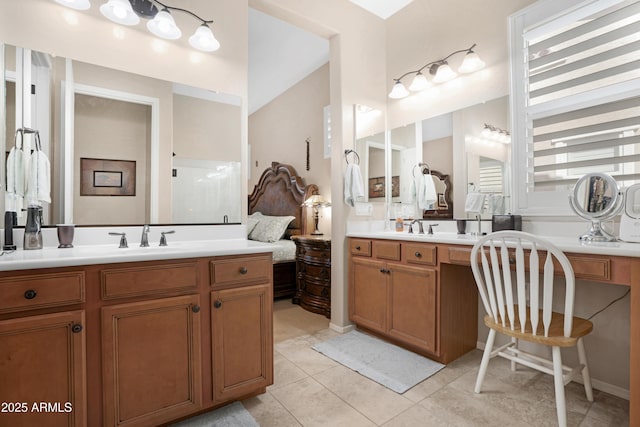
pixel 312 390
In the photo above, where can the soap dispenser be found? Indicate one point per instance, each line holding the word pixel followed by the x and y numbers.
pixel 33 228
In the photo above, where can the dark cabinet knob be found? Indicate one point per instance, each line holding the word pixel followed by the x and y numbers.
pixel 30 294
pixel 385 270
pixel 217 304
pixel 417 254
pixel 243 270
pixel 358 248
pixel 76 328
pixel 196 308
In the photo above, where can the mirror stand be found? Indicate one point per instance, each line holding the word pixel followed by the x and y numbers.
pixel 596 233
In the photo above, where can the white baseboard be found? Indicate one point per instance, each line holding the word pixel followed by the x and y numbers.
pixel 595 383
pixel 341 329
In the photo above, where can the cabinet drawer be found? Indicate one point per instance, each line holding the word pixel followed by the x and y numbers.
pixel 315 254
pixel 312 288
pixel 240 271
pixel 460 255
pixel 417 253
pixel 41 290
pixel 360 247
pixel 148 280
pixel 386 250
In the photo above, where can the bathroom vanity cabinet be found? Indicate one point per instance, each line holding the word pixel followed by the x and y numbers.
pixel 400 291
pixel 136 343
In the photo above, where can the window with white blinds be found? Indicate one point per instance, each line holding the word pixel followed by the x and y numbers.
pixel 576 86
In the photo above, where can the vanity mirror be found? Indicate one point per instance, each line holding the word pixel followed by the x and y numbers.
pixel 185 143
pixel 370 146
pixel 596 198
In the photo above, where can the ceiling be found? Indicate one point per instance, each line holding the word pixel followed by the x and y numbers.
pixel 280 55
pixel 382 8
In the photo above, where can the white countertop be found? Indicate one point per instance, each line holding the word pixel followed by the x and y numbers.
pixel 106 254
pixel 566 244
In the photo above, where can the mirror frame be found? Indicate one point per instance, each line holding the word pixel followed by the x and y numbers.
pixel 441 213
pixel 596 233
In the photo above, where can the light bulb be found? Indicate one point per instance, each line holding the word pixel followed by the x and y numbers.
pixel 163 25
pixel 419 83
pixel 471 63
pixel 444 73
pixel 204 40
pixel 120 12
pixel 398 91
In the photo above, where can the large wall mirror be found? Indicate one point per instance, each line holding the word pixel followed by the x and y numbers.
pixel 125 148
pixel 370 145
pixel 462 156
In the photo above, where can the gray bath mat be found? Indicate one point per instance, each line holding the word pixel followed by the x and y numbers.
pixel 393 367
pixel 233 415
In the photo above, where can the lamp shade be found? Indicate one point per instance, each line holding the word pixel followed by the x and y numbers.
pixel 120 12
pixel 471 63
pixel 444 73
pixel 204 40
pixel 419 83
pixel 163 26
pixel 75 4
pixel 317 201
pixel 398 91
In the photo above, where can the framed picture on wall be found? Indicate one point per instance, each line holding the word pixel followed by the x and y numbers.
pixel 377 187
pixel 103 177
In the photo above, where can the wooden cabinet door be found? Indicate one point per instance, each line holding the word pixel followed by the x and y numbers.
pixel 413 306
pixel 368 294
pixel 151 366
pixel 42 371
pixel 242 340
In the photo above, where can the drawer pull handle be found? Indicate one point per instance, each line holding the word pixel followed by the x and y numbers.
pixel 30 294
pixel 195 308
pixel 76 328
pixel 217 304
pixel 418 255
pixel 358 248
pixel 385 270
pixel 243 270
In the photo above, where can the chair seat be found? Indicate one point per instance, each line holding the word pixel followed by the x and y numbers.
pixel 581 327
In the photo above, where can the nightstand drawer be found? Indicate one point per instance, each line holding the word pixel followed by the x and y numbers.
pixel 317 271
pixel 41 290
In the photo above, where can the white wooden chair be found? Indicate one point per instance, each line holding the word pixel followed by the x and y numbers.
pixel 524 311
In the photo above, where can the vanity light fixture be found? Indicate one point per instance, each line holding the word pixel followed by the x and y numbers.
pixel 440 70
pixel 161 22
pixel 496 134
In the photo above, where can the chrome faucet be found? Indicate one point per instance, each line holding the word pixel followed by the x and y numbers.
pixel 420 229
pixel 479 232
pixel 144 239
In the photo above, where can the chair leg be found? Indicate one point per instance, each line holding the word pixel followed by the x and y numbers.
pixel 514 341
pixel 586 376
pixel 486 356
pixel 558 380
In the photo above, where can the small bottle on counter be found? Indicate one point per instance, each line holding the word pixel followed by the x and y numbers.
pixel 399 225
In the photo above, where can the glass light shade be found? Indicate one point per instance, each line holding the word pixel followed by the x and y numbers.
pixel 444 74
pixel 471 63
pixel 75 4
pixel 120 12
pixel 204 40
pixel 163 26
pixel 419 83
pixel 316 201
pixel 398 91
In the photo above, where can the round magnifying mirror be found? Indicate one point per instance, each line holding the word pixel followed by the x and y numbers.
pixel 596 197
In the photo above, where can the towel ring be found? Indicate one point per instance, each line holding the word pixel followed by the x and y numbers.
pixel 346 156
pixel 22 131
pixel 421 165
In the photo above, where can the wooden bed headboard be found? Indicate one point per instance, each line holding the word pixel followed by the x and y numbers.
pixel 281 192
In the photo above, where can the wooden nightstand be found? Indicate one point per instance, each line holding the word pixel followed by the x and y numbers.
pixel 313 273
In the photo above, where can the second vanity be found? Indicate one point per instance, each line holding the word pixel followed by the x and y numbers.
pixel 133 337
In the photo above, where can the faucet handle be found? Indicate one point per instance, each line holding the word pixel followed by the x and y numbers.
pixel 431 229
pixel 123 239
pixel 163 239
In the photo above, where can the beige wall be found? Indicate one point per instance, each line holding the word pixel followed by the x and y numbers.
pixel 112 130
pixel 277 132
pixel 205 130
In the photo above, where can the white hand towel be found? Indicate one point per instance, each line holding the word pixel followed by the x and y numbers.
pixel 495 204
pixel 353 185
pixel 39 183
pixel 426 190
pixel 16 181
pixel 474 203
